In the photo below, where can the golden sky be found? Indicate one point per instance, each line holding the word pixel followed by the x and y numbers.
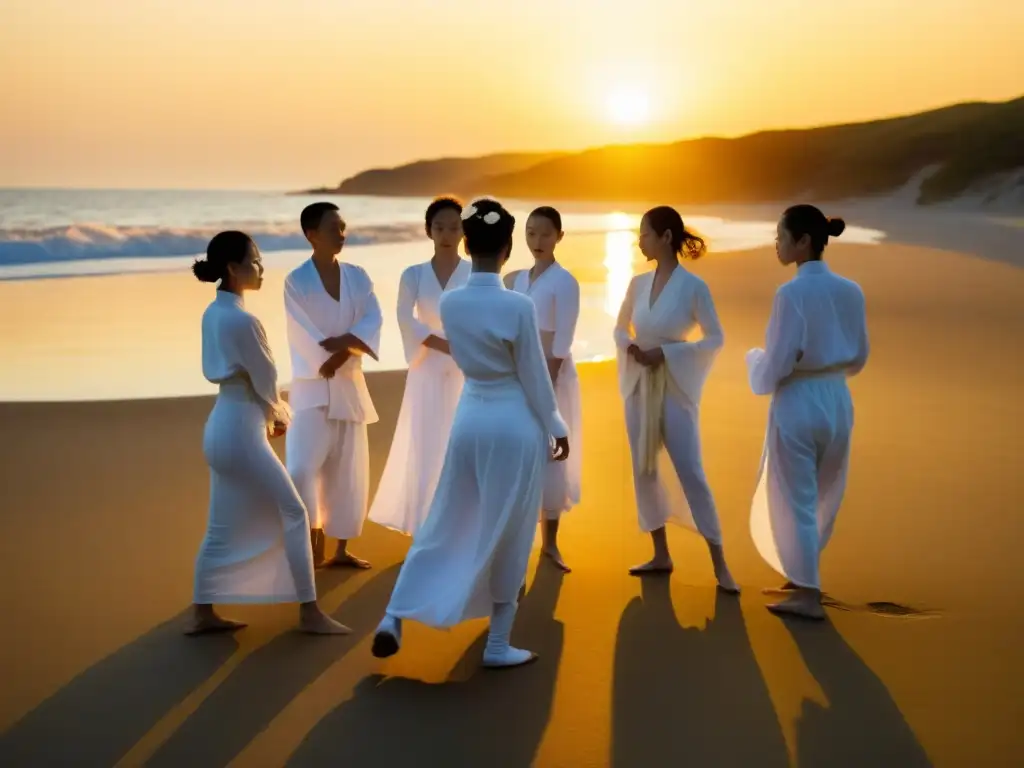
pixel 277 94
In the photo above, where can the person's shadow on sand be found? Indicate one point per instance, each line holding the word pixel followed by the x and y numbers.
pixel 689 696
pixel 861 725
pixel 265 682
pixel 477 718
pixel 96 718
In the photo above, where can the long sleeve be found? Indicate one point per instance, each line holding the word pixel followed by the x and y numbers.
pixel 368 324
pixel 767 367
pixel 532 370
pixel 303 336
pixel 567 314
pixel 624 322
pixel 250 341
pixel 414 333
pixel 689 362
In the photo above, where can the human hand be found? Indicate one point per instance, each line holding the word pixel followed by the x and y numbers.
pixel 438 344
pixel 333 363
pixel 561 449
pixel 277 429
pixel 336 344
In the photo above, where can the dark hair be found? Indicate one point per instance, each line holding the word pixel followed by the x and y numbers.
pixel 485 240
pixel 684 242
pixel 549 213
pixel 802 220
pixel 313 214
pixel 225 248
pixel 439 204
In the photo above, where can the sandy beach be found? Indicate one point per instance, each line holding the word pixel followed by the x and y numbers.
pixel 105 504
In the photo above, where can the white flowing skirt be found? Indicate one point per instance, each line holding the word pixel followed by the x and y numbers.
pixel 803 475
pixel 256 548
pixel 414 463
pixel 473 549
pixel 563 479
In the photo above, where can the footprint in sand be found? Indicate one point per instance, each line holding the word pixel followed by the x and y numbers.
pixel 881 608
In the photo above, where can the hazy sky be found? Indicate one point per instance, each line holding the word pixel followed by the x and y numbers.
pixel 274 94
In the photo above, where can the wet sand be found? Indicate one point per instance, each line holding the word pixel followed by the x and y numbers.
pixel 105 504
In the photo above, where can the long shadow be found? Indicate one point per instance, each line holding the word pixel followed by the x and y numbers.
pixel 266 681
pixel 477 718
pixel 689 696
pixel 97 717
pixel 861 725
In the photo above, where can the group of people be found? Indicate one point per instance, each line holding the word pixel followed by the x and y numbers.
pixel 489 432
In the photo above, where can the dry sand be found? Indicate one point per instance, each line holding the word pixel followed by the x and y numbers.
pixel 105 505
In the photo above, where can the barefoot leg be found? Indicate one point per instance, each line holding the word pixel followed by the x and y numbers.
pixel 662 560
pixel 205 621
pixel 726 583
pixel 313 621
pixel 344 559
pixel 549 529
pixel 801 602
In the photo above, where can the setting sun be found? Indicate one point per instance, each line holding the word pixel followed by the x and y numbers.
pixel 628 106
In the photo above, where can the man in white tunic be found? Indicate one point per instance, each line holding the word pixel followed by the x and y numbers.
pixel 433 383
pixel 469 558
pixel 556 296
pixel 662 371
pixel 256 548
pixel 817 337
pixel 333 319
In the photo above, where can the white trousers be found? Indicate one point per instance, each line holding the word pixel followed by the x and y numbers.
pixel 329 462
pixel 695 507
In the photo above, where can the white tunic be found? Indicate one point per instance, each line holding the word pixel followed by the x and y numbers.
pixel 473 549
pixel 817 337
pixel 670 392
pixel 556 296
pixel 327 450
pixel 312 316
pixel 432 389
pixel 256 547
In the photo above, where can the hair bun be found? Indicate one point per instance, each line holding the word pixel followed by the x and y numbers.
pixel 205 271
pixel 836 227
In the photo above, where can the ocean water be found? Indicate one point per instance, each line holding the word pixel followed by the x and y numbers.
pixel 97 301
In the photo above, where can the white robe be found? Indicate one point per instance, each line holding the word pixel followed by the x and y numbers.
pixel 556 296
pixel 472 551
pixel 663 404
pixel 256 548
pixel 327 451
pixel 817 337
pixel 432 389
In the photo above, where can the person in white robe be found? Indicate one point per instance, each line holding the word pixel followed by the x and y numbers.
pixel 433 383
pixel 333 319
pixel 556 296
pixel 256 548
pixel 662 371
pixel 817 337
pixel 469 559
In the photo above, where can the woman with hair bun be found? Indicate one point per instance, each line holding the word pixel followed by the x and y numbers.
pixel 661 376
pixel 469 558
pixel 256 548
pixel 817 337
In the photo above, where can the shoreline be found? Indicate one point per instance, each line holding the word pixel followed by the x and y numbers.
pixel 105 504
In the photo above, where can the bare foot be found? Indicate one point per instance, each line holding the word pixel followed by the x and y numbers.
pixel 316 622
pixel 555 557
pixel 346 560
pixel 655 566
pixel 789 586
pixel 210 624
pixel 804 604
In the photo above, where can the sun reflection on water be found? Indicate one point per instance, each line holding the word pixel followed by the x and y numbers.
pixel 619 244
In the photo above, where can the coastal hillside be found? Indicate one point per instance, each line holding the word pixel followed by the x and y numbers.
pixel 956 150
pixel 431 177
